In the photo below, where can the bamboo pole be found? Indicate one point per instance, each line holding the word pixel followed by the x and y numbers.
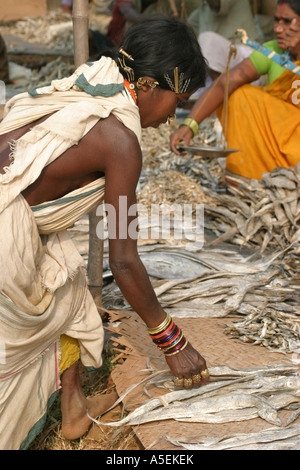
pixel 80 17
pixel 173 7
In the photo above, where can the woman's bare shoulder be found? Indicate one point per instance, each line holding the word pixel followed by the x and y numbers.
pixel 111 142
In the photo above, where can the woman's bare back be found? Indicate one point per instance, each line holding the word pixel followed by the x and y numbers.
pixel 75 168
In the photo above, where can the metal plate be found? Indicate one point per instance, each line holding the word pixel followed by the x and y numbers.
pixel 207 151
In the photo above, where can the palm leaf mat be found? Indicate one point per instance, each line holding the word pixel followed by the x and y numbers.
pixel 140 356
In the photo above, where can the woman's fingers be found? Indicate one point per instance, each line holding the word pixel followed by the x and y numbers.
pixel 189 368
pixel 182 135
pixel 194 380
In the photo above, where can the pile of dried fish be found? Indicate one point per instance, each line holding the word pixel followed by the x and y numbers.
pixel 53 70
pixel 181 189
pixel 232 394
pixel 28 79
pixel 54 30
pixel 270 328
pixel 195 285
pixel 158 158
pixel 265 213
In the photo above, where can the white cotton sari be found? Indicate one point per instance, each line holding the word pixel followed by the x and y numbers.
pixel 43 286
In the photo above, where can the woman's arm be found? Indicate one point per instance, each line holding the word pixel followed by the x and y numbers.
pixel 211 99
pixel 122 171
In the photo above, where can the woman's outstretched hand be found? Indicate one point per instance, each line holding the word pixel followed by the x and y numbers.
pixel 188 367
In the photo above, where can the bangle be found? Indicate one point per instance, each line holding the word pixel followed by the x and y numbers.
pixel 192 124
pixel 178 351
pixel 168 337
pixel 161 327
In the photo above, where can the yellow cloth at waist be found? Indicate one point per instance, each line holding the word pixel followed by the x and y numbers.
pixel 70 352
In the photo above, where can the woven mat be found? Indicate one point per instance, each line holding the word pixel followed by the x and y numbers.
pixel 207 336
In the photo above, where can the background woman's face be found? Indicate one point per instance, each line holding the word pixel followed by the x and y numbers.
pixel 284 16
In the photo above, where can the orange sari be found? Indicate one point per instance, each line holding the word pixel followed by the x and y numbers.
pixel 264 124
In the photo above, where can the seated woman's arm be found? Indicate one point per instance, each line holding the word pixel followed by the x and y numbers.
pixel 211 99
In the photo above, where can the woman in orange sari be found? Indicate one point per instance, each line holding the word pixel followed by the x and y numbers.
pixel 263 123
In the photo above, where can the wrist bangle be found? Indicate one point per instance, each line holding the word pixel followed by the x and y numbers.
pixel 161 327
pixel 192 124
pixel 168 337
pixel 178 350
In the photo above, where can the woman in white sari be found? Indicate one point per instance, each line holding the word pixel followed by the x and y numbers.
pixel 64 148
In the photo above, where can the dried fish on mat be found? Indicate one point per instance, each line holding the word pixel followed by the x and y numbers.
pixel 209 284
pixel 272 329
pixel 281 438
pixel 232 394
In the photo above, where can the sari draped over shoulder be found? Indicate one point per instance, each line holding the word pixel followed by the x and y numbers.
pixel 264 124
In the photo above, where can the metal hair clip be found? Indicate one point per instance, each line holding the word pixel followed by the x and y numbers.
pixel 129 71
pixel 180 85
pixel 176 80
pixel 124 53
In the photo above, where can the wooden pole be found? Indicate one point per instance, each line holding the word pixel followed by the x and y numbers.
pixel 80 17
pixel 173 7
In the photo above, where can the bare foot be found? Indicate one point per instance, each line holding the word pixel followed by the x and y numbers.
pixel 74 405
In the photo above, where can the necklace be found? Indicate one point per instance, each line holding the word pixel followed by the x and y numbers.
pixel 131 90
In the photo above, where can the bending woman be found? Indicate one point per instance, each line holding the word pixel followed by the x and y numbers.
pixel 64 148
pixel 264 124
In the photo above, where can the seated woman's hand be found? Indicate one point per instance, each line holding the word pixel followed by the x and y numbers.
pixel 183 136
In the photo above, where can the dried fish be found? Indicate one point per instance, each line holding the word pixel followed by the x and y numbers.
pixel 275 332
pixel 271 438
pixel 245 394
pixel 213 410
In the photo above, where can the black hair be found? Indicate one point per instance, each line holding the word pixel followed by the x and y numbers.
pixel 157 45
pixel 293 4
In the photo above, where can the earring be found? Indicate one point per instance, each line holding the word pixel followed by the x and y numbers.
pixel 143 81
pixel 171 118
pixel 132 87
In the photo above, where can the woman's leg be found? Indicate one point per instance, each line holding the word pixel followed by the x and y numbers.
pixel 74 404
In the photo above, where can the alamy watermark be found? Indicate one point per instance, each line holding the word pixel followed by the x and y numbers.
pixel 296 94
pixel 159 221
pixel 2 92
